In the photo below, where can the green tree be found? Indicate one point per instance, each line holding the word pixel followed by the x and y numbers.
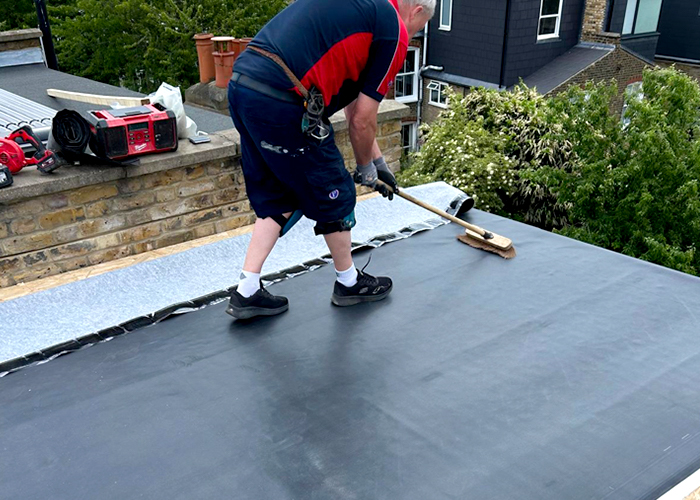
pixel 140 43
pixel 17 14
pixel 21 14
pixel 567 163
pixel 635 188
pixel 464 153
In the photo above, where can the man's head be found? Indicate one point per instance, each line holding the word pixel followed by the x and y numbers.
pixel 415 14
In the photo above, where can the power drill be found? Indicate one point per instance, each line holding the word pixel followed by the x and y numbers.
pixel 5 176
pixel 12 155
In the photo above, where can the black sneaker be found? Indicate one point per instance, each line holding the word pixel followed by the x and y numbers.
pixel 367 289
pixel 261 303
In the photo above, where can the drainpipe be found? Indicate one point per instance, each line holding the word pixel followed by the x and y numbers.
pixel 419 111
pixel 47 40
pixel 501 81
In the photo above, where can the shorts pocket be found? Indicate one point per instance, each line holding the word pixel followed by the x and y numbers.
pixel 333 192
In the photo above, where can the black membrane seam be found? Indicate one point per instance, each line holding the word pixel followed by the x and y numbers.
pixel 50 353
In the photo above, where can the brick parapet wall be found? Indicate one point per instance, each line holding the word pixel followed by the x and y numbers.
pixel 64 231
pixel 604 38
pixel 20 39
pixel 97 215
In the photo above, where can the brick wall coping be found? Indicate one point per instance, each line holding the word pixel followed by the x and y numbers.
pixel 30 183
pixel 20 35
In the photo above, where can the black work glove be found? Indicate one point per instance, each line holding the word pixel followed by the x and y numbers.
pixel 386 177
pixel 367 175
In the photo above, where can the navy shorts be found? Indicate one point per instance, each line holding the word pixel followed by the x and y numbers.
pixel 285 170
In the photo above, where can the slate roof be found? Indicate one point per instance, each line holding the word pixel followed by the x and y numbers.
pixel 566 66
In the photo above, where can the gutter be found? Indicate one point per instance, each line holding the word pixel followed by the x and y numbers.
pixel 419 110
pixel 682 60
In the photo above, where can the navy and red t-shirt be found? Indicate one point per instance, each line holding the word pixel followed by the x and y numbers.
pixel 342 47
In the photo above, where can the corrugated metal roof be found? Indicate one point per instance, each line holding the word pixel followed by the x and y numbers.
pixel 16 111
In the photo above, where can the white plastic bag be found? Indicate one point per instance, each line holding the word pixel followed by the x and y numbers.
pixel 171 98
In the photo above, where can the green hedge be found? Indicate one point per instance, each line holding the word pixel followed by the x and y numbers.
pixel 139 43
pixel 570 165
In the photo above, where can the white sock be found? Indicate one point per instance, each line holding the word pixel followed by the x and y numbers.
pixel 347 278
pixel 249 284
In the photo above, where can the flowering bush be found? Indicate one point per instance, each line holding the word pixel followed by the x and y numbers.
pixel 467 156
pixel 513 134
pixel 567 163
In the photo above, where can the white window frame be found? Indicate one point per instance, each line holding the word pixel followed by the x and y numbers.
pixel 412 138
pixel 440 87
pixel 446 27
pixel 549 16
pixel 416 65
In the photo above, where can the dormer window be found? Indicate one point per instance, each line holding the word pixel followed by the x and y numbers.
pixel 641 16
pixel 550 19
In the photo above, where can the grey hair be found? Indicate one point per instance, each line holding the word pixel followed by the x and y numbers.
pixel 428 5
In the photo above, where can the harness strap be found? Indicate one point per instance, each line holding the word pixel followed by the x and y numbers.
pixel 284 67
pixel 263 88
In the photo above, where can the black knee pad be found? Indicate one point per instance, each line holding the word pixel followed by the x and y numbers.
pixel 336 226
pixel 287 224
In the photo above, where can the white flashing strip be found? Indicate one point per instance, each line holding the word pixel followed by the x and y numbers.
pixel 684 489
pixel 21 57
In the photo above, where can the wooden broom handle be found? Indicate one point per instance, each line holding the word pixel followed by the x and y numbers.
pixel 441 213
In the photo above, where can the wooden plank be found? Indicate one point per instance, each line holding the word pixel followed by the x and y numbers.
pixel 101 100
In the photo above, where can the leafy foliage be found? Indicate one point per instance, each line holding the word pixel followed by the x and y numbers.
pixel 139 43
pixel 463 152
pixel 17 15
pixel 567 163
pixel 522 133
pixel 635 189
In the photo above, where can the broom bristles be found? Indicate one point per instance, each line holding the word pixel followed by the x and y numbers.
pixel 481 245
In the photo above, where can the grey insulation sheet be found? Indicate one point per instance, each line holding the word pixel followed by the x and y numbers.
pixel 72 311
pixel 567 373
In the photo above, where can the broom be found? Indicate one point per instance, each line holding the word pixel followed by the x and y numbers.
pixel 474 236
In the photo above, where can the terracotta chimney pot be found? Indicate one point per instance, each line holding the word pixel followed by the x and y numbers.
pixel 205 55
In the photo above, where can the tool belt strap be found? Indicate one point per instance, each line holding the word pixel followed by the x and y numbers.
pixel 284 67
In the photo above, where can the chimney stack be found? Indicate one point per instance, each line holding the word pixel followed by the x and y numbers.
pixel 594 20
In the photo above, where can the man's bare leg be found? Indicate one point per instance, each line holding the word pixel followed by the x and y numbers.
pixel 340 245
pixel 265 234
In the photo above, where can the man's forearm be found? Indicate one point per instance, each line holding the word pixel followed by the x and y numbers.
pixel 364 144
pixel 376 152
pixel 349 113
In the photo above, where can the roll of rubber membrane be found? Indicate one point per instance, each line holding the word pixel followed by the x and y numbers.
pixel 70 135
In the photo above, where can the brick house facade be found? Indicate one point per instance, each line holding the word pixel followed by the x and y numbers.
pixel 549 47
